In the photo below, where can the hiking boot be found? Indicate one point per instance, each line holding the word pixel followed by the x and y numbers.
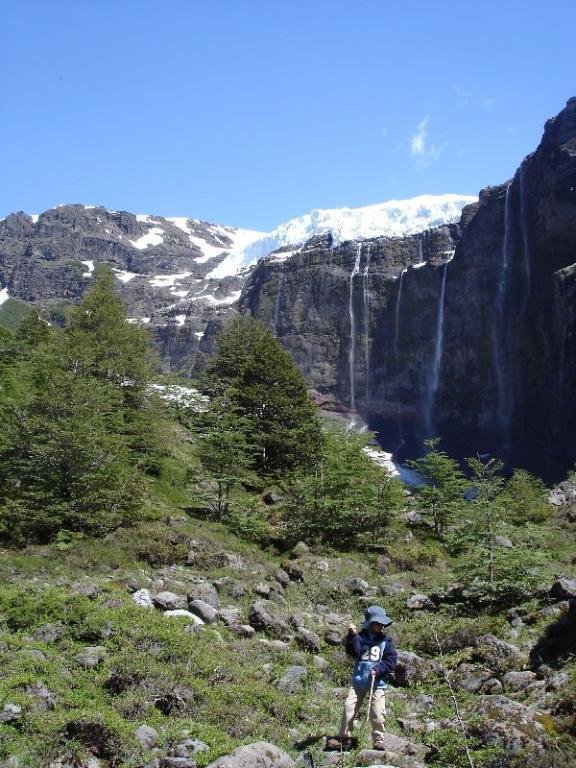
pixel 379 746
pixel 340 743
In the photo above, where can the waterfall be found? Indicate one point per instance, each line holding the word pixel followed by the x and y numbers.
pixel 525 240
pixel 366 301
pixel 353 325
pixel 397 316
pixel 434 379
pixel 499 329
pixel 277 303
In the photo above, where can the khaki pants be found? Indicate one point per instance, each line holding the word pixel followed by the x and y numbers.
pixel 353 703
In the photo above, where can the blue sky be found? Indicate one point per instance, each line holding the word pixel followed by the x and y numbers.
pixel 249 113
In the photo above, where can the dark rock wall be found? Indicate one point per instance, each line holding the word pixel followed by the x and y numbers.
pixel 478 345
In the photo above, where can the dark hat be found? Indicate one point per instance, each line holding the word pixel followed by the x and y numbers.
pixel 375 613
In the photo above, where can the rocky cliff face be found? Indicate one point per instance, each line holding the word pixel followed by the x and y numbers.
pixel 465 331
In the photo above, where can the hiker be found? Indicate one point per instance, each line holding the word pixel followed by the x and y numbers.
pixel 375 658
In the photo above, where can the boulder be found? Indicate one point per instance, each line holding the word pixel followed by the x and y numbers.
pixel 204 591
pixel 86 588
pixel 357 586
pixel 143 598
pixel 229 616
pixel 243 630
pixel 168 601
pixel 146 736
pixel 308 640
pixel 206 612
pixel 183 613
pixel 291 680
pixel 49 633
pixel 420 603
pixel 10 713
pixel 411 669
pixel 260 754
pixel 91 656
pixel 282 577
pixel 563 589
pixel 263 621
pixel 518 681
pixel 507 724
pixel 470 677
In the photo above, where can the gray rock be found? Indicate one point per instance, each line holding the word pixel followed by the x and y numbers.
pixel 504 542
pixel 91 656
pixel 168 601
pixel 229 616
pixel 271 498
pixel 206 612
pixel 470 677
pixel 143 598
pixel 307 640
pixel 33 653
pixel 291 680
pixel 10 713
pixel 507 724
pixel 392 588
pixel 44 699
pixel 357 586
pixel 183 613
pixel 411 669
pixel 559 680
pixel 282 577
pixel 243 630
pixel 262 589
pixel 420 603
pixel 263 621
pixel 204 591
pixel 86 588
pixel 227 560
pixel 260 754
pixel 518 681
pixel 563 589
pixel 146 736
pixel 177 762
pixel 301 549
pixel 49 633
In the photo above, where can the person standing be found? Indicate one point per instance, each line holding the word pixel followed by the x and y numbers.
pixel 376 659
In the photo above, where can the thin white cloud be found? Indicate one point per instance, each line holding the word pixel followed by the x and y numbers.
pixel 418 140
pixel 476 100
pixel 422 151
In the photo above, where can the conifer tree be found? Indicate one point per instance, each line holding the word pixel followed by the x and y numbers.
pixel 269 392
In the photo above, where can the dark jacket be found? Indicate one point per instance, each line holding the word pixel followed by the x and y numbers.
pixel 372 652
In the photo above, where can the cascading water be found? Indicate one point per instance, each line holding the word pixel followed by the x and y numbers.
pixel 366 302
pixel 499 329
pixel 277 303
pixel 525 240
pixel 434 379
pixel 351 357
pixel 397 315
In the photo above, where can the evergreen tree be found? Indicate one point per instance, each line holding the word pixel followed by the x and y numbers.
pixel 442 495
pixel 267 390
pixel 223 449
pixel 347 500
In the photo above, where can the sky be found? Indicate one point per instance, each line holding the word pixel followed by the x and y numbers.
pixel 252 112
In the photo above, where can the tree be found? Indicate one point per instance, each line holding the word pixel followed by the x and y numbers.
pixel 442 494
pixel 223 449
pixel 267 390
pixel 496 564
pixel 66 465
pixel 525 499
pixel 346 499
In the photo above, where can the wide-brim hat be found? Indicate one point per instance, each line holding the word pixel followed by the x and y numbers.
pixel 376 613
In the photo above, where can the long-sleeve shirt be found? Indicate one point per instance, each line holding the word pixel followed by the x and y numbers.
pixel 372 653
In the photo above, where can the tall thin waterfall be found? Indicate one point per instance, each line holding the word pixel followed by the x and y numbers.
pixel 277 303
pixel 437 357
pixel 525 239
pixel 366 301
pixel 352 360
pixel 397 315
pixel 499 330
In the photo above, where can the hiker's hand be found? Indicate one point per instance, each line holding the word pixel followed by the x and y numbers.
pixel 352 629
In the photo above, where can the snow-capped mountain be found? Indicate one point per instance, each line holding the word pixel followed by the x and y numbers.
pixel 241 248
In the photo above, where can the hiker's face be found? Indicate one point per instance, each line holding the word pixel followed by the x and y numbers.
pixel 376 627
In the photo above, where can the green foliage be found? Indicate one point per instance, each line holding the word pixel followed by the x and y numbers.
pixel 492 571
pixel 524 499
pixel 347 500
pixel 441 497
pixel 12 313
pixel 269 393
pixel 78 426
pixel 224 449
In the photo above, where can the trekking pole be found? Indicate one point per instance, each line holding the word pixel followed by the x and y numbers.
pixel 370 698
